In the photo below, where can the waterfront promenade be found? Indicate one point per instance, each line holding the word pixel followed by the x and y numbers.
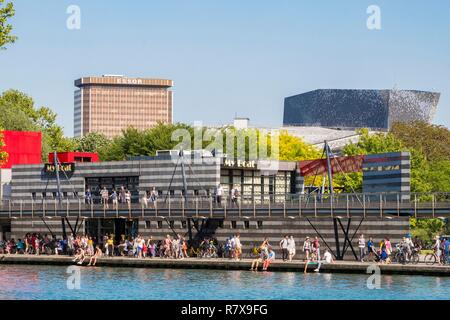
pixel 227 264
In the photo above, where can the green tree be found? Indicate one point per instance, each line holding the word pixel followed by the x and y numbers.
pixel 56 141
pixel 91 142
pixel 19 113
pixel 6 12
pixel 427 229
pixel 3 154
pixel 431 140
pixel 373 143
pixel 293 148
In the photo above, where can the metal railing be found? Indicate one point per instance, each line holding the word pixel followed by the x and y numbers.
pixel 426 205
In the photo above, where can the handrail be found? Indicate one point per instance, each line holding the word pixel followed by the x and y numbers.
pixel 272 205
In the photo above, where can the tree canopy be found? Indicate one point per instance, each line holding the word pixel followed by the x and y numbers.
pixel 20 114
pixel 3 154
pixel 6 13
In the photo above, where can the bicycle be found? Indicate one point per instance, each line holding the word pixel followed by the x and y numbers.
pixel 431 259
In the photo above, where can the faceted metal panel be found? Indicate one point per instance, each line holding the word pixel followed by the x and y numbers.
pixel 375 109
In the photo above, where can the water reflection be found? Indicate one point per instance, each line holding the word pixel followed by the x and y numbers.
pixel 44 282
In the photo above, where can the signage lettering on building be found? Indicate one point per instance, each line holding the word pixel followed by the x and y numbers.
pixel 129 81
pixel 239 164
pixel 50 168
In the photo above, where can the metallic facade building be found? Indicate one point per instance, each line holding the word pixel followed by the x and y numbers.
pixel 374 109
pixel 109 104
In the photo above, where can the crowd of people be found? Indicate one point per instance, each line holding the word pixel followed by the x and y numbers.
pixel 84 247
pixel 124 196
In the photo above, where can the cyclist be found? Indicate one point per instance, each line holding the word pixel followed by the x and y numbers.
pixel 437 249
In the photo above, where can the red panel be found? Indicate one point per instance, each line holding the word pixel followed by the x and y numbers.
pixel 23 147
pixel 74 157
pixel 338 165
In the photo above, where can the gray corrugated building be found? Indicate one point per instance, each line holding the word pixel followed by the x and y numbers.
pixel 374 109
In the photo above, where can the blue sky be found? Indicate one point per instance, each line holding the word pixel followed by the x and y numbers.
pixel 230 57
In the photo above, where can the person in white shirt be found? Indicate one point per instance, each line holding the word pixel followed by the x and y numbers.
pixel 291 248
pixel 233 246
pixel 219 194
pixel 361 246
pixel 328 258
pixel 238 250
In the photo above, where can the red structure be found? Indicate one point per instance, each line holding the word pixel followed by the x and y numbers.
pixel 22 147
pixel 338 165
pixel 66 157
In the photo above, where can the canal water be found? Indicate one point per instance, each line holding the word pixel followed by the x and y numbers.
pixel 54 282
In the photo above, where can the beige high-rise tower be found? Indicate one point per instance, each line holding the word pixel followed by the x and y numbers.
pixel 111 103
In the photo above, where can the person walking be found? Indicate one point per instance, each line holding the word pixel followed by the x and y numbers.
pixel 154 197
pixel 291 248
pixel 144 200
pixel 234 196
pixel 316 248
pixel 219 194
pixel 105 196
pixel 114 199
pixel 361 246
pixel 88 196
pixel 284 248
pixel 128 198
pixel 307 248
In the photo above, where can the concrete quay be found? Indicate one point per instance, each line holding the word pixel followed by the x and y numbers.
pixel 226 264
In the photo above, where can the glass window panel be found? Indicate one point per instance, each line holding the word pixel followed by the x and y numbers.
pixel 225 179
pixel 237 179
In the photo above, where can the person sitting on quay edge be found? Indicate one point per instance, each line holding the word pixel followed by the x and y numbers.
pixel 98 254
pixel 270 258
pixel 80 256
pixel 264 253
pixel 327 258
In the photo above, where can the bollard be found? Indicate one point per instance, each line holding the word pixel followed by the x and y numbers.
pixel 381 206
pixel 364 205
pixel 432 204
pixel 348 209
pixel 211 207
pixel 300 206
pixel 415 205
pixel 315 206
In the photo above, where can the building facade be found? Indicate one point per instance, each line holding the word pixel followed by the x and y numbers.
pixel 373 109
pixel 34 183
pixel 110 103
pixel 387 173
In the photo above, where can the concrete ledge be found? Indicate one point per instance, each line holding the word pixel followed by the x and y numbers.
pixel 226 264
